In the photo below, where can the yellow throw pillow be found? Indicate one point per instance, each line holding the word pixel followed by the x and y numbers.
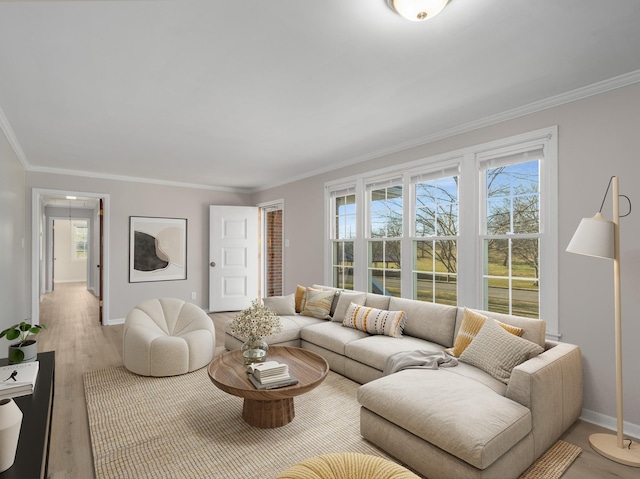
pixel 300 291
pixel 472 323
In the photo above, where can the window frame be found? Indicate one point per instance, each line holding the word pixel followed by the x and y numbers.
pixel 470 210
pixel 75 225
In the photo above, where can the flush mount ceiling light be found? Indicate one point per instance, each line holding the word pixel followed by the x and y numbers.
pixel 417 10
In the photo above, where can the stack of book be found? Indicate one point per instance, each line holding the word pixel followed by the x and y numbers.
pixel 270 375
pixel 18 379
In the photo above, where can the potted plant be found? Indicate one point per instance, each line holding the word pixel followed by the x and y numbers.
pixel 25 349
pixel 252 325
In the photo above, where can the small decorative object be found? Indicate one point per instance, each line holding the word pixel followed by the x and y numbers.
pixel 26 349
pixel 10 423
pixel 253 324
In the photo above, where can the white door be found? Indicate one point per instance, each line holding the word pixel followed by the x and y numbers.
pixel 233 257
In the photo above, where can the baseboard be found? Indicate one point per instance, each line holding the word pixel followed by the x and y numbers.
pixel 112 322
pixel 609 422
pixel 70 281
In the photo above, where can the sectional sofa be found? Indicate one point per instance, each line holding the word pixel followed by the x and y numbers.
pixel 509 398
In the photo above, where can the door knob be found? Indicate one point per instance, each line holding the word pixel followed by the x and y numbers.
pixel 212 264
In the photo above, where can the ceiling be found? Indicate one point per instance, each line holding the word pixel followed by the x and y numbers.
pixel 243 95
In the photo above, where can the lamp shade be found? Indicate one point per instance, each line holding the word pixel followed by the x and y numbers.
pixel 594 237
pixel 417 10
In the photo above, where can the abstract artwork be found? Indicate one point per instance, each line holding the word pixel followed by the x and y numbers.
pixel 157 249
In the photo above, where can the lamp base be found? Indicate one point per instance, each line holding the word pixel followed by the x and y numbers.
pixel 607 445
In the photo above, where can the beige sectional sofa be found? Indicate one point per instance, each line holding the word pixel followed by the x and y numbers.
pixel 453 422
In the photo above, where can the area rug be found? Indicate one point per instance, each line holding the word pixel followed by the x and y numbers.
pixel 185 427
pixel 554 462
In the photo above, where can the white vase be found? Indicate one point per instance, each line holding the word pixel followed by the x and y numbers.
pixel 10 423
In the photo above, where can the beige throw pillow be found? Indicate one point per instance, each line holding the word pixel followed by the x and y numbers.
pixel 497 352
pixel 472 322
pixel 281 305
pixel 345 298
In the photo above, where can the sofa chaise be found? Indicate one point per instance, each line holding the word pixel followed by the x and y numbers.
pixel 511 395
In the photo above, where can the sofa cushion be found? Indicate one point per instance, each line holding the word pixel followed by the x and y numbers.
pixel 318 304
pixel 497 352
pixel 430 321
pixel 462 417
pixel 345 298
pixel 281 305
pixel 374 350
pixel 374 321
pixel 331 335
pixel 470 327
pixel 374 300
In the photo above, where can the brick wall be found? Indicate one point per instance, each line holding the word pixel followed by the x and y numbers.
pixel 274 253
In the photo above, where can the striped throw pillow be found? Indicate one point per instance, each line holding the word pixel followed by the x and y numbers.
pixel 472 323
pixel 318 304
pixel 374 321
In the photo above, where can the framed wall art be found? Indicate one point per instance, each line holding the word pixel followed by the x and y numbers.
pixel 157 249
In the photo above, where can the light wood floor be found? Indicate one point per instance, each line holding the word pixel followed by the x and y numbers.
pixel 81 344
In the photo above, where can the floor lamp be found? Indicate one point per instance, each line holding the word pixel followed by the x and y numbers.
pixel 600 237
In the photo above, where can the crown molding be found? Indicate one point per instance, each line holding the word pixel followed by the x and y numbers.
pixel 551 102
pixel 135 179
pixel 554 101
pixel 13 141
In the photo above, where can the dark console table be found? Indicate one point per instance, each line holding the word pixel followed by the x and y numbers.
pixel 32 456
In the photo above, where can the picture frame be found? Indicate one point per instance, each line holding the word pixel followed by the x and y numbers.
pixel 157 249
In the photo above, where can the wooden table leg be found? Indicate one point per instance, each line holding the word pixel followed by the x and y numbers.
pixel 268 414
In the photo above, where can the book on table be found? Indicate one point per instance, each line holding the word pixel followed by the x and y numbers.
pixel 270 374
pixel 18 379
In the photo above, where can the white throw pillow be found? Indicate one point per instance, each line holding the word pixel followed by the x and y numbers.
pixel 345 298
pixel 281 305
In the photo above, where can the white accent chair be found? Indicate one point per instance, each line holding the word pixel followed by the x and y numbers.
pixel 167 337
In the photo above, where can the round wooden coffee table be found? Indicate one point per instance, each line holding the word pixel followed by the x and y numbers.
pixel 268 408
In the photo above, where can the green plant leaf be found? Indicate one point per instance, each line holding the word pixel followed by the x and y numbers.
pixel 12 334
pixel 16 355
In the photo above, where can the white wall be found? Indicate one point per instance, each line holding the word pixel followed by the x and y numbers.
pixel 140 199
pixel 12 232
pixel 598 137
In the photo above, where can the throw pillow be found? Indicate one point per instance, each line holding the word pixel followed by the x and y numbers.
pixel 472 322
pixel 301 296
pixel 281 305
pixel 345 298
pixel 318 304
pixel 497 352
pixel 374 321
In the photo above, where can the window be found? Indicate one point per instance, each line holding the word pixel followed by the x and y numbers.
pixel 384 244
pixel 435 245
pixel 79 241
pixel 343 208
pixel 511 242
pixel 475 227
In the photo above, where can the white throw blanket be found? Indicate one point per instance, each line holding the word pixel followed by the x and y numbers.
pixel 418 360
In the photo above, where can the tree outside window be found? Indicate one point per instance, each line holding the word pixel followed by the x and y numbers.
pixel 435 253
pixel 512 243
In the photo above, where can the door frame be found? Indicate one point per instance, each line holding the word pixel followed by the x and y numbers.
pixel 38 246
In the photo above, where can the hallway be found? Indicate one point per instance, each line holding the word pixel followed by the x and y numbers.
pixel 81 344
